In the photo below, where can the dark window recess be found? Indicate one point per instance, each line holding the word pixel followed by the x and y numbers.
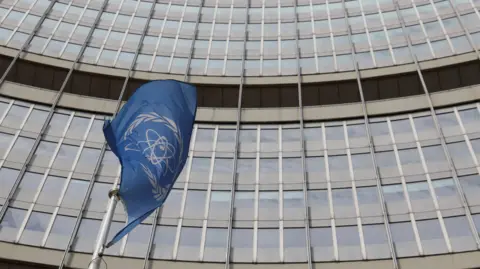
pixel 4 62
pixel 451 77
pixel 341 92
pixel 313 94
pixel 391 87
pixel 217 96
pixel 37 75
pixel 270 96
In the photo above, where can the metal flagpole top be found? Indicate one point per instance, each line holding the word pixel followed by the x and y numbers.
pixel 114 192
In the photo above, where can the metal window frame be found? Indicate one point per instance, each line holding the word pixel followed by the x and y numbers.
pixel 51 110
pixel 440 133
pixel 467 32
pixel 372 150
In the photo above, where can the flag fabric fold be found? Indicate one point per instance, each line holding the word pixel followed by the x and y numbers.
pixel 151 137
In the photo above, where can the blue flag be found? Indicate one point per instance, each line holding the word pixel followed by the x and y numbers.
pixel 151 138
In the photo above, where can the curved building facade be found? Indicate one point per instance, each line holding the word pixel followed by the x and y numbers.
pixel 329 134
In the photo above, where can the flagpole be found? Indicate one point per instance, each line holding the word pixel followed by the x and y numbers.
pixel 104 228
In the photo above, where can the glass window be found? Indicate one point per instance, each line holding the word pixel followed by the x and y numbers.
pixel 11 224
pixel 335 133
pixel 15 116
pixel 220 204
pixel 269 135
pixel 226 135
pixel 460 155
pixel 216 238
pixel 28 187
pixel 424 123
pixel 375 234
pixel 469 116
pixel 77 127
pixel 244 199
pixel 173 204
pixel 246 165
pixel 45 151
pixel 393 193
pixel 294 238
pixel 99 196
pixel 292 165
pixel 315 164
pixel 312 134
pixel 431 236
pixel 86 235
pixel 418 191
pixel 195 204
pixel 379 128
pixel 268 199
pixel 242 238
pixel 386 159
pixel 268 238
pixel 367 195
pixel 51 190
pixel 204 135
pixel 291 135
pixel 222 167
pixel 269 166
pixel 471 187
pixel 447 120
pixel 57 124
pixel 404 239
pixel 460 234
pixel 293 199
pixel 35 121
pixel 409 156
pixel 75 194
pixel 248 136
pixel 201 165
pixel 5 141
pixel 7 179
pixel 21 148
pixel 35 229
pixel 137 242
pixel 362 161
pixel 433 154
pixel 61 232
pixel 321 237
pixel 356 130
pixel 338 163
pixel 164 241
pixel 317 198
pixel 348 237
pixel 65 157
pixel 88 159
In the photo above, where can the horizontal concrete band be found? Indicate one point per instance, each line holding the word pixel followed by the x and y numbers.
pixel 28 254
pixel 219 80
pixel 257 115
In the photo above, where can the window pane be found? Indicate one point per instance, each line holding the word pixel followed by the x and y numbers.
pixel 35 229
pixel 404 239
pixel 61 232
pixel 86 235
pixel 242 238
pixel 11 224
pixel 7 179
pixel 137 242
pixel 268 238
pixel 163 242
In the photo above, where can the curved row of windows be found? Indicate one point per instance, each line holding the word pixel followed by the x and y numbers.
pixel 270 44
pixel 427 215
pixel 438 79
